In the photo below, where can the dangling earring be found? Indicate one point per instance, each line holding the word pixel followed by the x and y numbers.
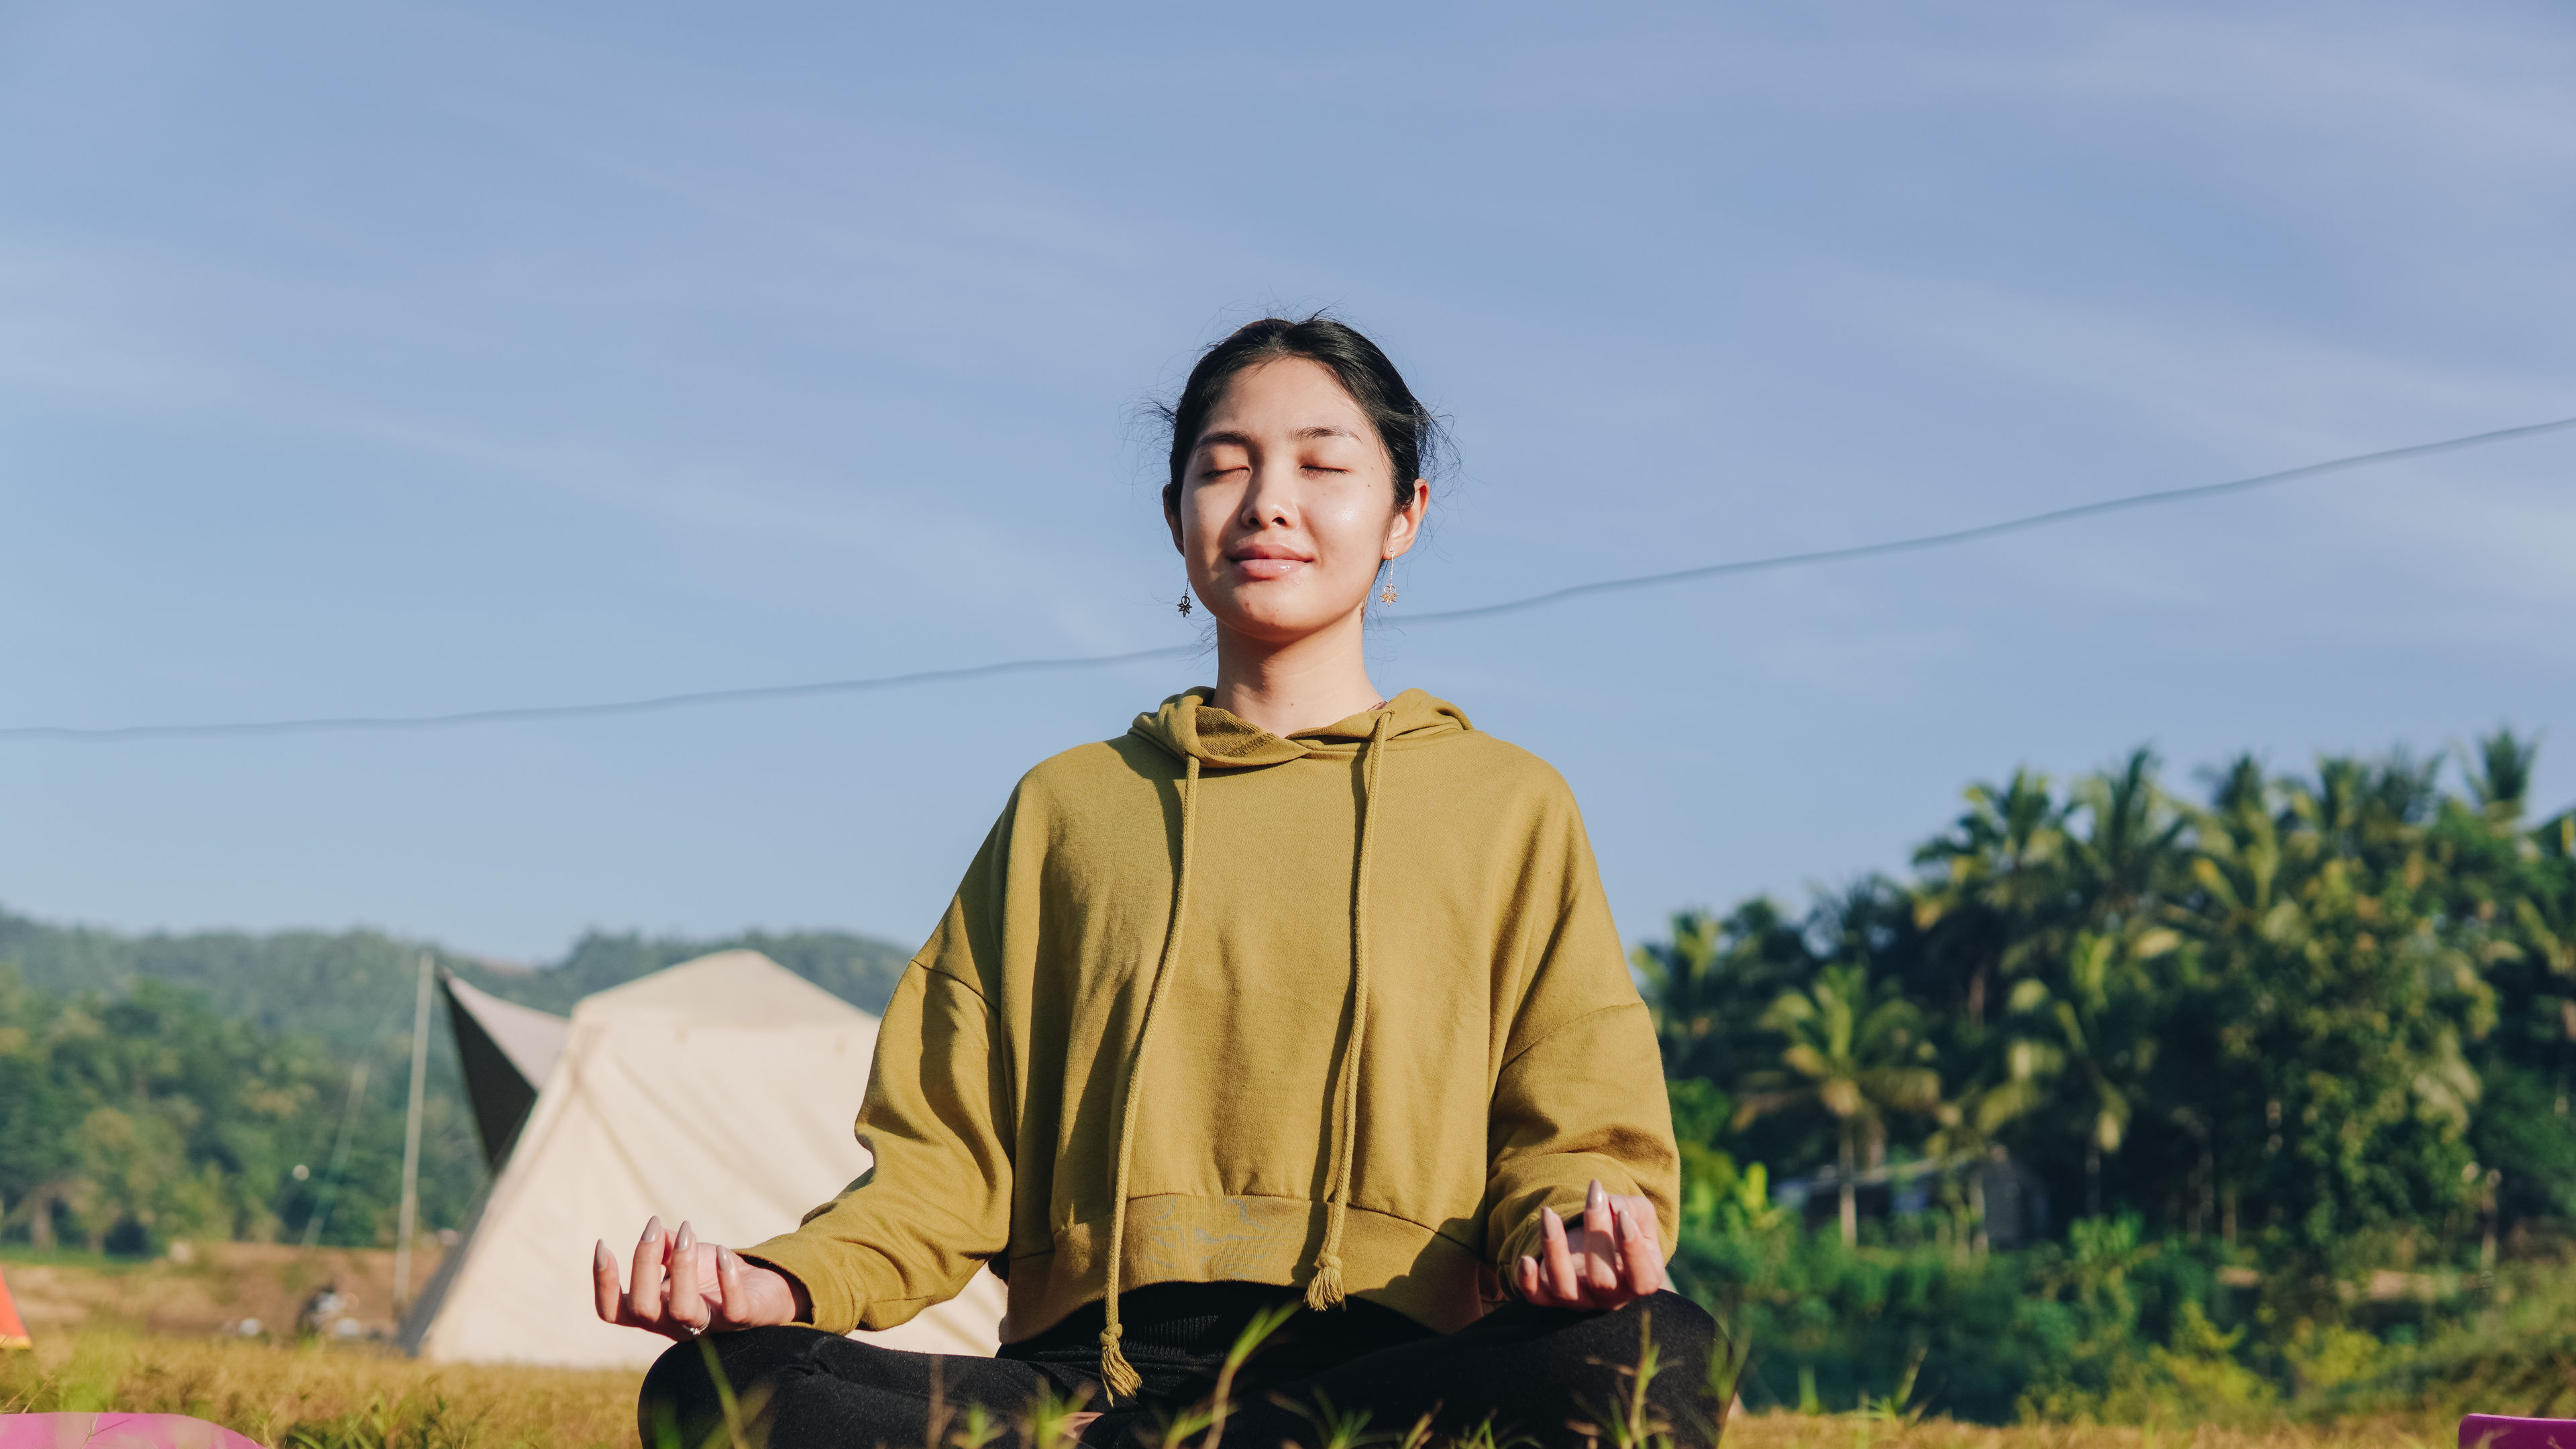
pixel 1185 598
pixel 1387 595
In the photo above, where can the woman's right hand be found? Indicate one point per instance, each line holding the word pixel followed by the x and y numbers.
pixel 683 1288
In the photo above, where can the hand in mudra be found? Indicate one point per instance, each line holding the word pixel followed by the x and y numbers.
pixel 683 1288
pixel 1613 1259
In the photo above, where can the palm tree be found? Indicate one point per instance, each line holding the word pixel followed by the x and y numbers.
pixel 2500 776
pixel 1858 1053
pixel 2001 888
pixel 2343 998
pixel 1712 979
pixel 2083 1041
pixel 1685 988
pixel 2128 853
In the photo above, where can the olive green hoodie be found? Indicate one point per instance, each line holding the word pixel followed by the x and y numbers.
pixel 1343 1009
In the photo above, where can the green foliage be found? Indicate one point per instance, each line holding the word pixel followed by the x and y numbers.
pixel 350 988
pixel 2109 1327
pixel 131 1119
pixel 2341 997
pixel 2511 1351
pixel 2311 1015
pixel 2317 1030
pixel 1927 1326
pixel 167 1087
pixel 1855 1049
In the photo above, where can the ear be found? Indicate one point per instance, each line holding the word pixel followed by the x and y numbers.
pixel 1172 515
pixel 1406 525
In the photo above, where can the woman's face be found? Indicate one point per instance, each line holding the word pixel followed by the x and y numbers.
pixel 1287 504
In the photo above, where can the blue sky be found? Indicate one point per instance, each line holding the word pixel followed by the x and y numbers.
pixel 393 358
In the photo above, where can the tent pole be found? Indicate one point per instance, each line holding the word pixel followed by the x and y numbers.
pixel 410 1215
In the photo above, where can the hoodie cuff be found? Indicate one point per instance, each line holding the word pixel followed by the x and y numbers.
pixel 832 1281
pixel 1523 1240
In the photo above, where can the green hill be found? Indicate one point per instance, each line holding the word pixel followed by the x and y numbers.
pixel 164 1086
pixel 351 988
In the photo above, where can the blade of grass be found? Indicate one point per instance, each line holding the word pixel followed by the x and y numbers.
pixel 1050 1416
pixel 1255 1332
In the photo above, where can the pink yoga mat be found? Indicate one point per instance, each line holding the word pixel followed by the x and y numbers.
pixel 2492 1431
pixel 123 1431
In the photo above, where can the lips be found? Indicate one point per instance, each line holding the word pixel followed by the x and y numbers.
pixel 1267 561
pixel 1268 568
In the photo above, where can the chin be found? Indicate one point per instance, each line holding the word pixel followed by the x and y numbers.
pixel 1278 621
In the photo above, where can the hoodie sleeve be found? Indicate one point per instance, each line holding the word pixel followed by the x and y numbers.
pixel 1580 1091
pixel 936 1206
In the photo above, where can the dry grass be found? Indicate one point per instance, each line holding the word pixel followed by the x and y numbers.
pixel 328 1397
pixel 142 1337
pixel 1850 1431
pixel 333 1397
pixel 216 1284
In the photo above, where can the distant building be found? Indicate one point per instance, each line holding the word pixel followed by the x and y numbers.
pixel 2009 1198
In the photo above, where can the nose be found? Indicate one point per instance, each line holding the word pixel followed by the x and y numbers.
pixel 1271 500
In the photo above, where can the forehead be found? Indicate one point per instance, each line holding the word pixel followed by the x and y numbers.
pixel 1286 396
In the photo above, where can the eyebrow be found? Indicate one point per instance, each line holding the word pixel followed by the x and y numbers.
pixel 1244 440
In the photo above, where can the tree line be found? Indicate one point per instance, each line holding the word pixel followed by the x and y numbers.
pixel 134 1118
pixel 226 1085
pixel 2325 1018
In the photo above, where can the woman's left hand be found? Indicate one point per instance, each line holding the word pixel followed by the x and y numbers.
pixel 1613 1259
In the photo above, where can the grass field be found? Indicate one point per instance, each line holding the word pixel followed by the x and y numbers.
pixel 326 1396
pixel 1791 1431
pixel 359 1397
pixel 146 1336
pixel 203 1289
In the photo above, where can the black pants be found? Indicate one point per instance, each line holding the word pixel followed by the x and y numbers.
pixel 1541 1373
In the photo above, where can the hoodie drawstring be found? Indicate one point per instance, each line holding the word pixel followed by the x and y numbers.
pixel 1324 1290
pixel 1118 1376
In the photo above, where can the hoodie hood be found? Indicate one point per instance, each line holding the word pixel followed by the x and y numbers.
pixel 1190 728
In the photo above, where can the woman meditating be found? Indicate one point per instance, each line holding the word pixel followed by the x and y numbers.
pixel 1291 994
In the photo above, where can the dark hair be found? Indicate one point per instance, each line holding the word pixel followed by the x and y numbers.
pixel 1410 431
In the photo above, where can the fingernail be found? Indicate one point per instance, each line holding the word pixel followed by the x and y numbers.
pixel 1596 1196
pixel 688 1238
pixel 1619 1223
pixel 601 1257
pixel 652 1228
pixel 1548 1215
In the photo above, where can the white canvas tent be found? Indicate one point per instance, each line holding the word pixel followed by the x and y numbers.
pixel 720 1091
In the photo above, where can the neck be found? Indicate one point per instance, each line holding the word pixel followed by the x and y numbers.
pixel 1299 685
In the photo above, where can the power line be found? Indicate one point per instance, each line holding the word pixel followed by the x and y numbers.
pixel 351 724
pixel 1992 530
pixel 354 724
